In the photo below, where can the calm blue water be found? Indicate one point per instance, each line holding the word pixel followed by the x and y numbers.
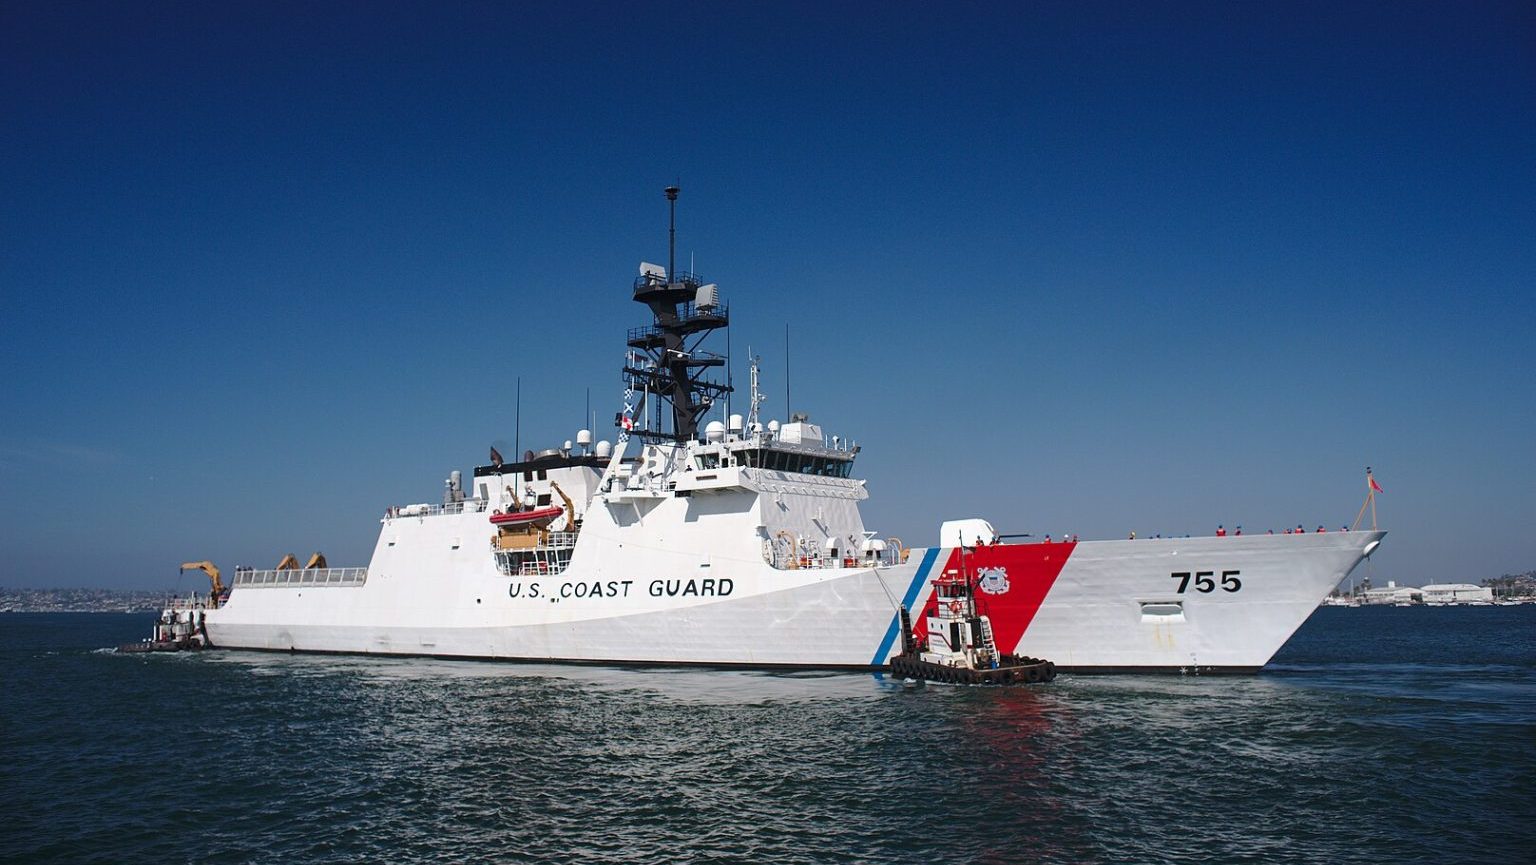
pixel 1378 735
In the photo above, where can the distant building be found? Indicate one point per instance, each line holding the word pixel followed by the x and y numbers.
pixel 1457 593
pixel 1392 594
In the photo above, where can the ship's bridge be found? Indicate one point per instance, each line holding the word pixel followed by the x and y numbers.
pixel 798 447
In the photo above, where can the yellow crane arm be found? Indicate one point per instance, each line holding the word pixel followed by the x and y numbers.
pixel 316 561
pixel 570 508
pixel 209 569
pixel 290 562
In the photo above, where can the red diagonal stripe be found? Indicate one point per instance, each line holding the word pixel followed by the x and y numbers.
pixel 1031 570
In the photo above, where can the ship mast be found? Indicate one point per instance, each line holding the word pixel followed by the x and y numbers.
pixel 668 362
pixel 757 396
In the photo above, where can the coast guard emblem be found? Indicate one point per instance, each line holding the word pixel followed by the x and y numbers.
pixel 993 581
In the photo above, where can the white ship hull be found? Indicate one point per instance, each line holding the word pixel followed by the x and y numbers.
pixel 1090 606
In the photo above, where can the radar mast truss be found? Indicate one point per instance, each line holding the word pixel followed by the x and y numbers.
pixel 666 360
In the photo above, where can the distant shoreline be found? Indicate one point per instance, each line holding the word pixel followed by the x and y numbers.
pixel 121 611
pixel 81 600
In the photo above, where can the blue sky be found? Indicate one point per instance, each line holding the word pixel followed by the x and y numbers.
pixel 268 268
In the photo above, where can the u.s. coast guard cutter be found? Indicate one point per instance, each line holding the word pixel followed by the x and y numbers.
pixel 732 542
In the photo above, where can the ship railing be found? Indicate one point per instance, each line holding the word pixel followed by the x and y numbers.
pixel 556 541
pixel 193 601
pixel 543 568
pixel 295 577
pixel 471 506
pixel 560 541
pixel 689 312
pixel 682 276
pixel 783 554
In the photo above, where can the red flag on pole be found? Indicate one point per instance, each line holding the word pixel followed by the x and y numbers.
pixel 1374 486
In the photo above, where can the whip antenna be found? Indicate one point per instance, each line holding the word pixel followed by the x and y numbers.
pixel 672 233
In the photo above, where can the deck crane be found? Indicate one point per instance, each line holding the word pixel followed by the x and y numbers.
pixel 213 576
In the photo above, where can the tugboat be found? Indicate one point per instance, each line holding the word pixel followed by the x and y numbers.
pixel 958 647
pixel 183 624
pixel 182 627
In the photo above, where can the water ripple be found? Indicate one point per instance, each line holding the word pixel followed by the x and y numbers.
pixel 252 758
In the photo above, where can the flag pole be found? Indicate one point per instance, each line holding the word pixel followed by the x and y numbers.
pixel 1370 502
pixel 1370 486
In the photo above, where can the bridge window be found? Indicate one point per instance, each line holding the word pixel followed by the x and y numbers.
pixel 788 461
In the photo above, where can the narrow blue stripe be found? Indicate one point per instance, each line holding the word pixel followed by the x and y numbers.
pixel 918 580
